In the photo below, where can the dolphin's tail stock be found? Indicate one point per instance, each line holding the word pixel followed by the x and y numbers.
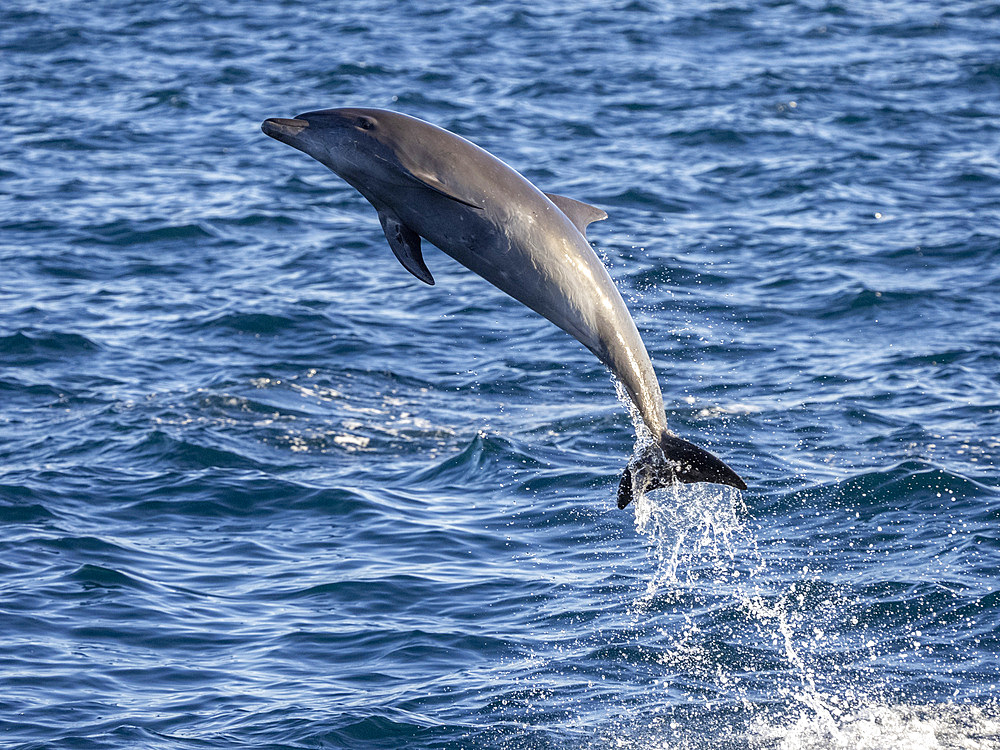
pixel 673 460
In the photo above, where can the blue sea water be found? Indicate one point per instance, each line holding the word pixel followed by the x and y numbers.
pixel 261 488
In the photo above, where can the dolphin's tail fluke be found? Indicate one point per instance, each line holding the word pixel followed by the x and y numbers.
pixel 673 460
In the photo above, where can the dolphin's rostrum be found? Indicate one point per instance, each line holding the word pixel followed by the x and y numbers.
pixel 428 183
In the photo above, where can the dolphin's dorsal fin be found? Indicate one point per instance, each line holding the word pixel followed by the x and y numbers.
pixel 429 180
pixel 580 213
pixel 405 244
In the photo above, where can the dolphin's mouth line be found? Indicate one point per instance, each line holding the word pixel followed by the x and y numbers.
pixel 282 127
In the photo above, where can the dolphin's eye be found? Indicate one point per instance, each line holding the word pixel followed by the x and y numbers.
pixel 365 124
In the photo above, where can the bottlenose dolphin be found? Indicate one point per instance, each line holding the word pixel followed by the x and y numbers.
pixel 428 182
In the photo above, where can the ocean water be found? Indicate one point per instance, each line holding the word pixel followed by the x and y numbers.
pixel 259 487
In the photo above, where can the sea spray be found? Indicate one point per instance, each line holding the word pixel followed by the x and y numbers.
pixel 694 530
pixel 699 545
pixel 694 533
pixel 703 559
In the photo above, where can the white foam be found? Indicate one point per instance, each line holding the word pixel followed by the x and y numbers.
pixel 943 726
pixel 729 410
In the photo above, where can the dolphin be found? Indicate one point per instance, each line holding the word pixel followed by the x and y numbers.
pixel 426 182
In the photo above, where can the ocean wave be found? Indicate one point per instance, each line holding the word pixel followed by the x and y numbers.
pixel 480 462
pixel 912 485
pixel 264 323
pixel 22 505
pixel 130 233
pixel 22 349
pixel 158 448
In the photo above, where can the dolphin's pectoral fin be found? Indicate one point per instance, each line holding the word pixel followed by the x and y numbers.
pixel 405 244
pixel 430 181
pixel 580 213
pixel 673 460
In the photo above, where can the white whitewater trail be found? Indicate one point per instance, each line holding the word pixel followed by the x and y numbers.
pixel 702 548
pixel 698 543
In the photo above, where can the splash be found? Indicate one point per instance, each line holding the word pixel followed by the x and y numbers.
pixel 821 711
pixel 698 546
pixel 643 437
pixel 855 716
pixel 693 529
pixel 694 532
pixel 703 560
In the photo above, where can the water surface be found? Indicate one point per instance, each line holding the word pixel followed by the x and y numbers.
pixel 260 487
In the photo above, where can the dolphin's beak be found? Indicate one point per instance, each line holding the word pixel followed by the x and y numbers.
pixel 283 130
